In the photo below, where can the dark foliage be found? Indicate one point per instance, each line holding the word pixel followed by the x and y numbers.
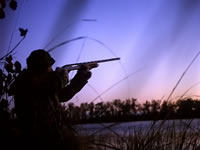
pixel 8 126
pixel 13 4
pixel 131 110
pixel 3 4
pixel 2 13
pixel 23 32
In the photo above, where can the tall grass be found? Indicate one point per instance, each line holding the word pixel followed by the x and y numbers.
pixel 174 135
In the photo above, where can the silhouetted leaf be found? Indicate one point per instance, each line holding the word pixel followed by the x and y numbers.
pixel 2 14
pixel 2 76
pixel 3 3
pixel 9 78
pixel 9 59
pixel 17 66
pixel 1 72
pixel 9 67
pixel 13 4
pixel 23 32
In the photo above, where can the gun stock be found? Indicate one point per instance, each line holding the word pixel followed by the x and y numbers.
pixel 76 66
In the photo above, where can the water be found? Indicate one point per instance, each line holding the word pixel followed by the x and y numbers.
pixel 140 135
pixel 136 126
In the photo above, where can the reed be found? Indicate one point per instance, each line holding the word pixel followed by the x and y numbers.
pixel 174 135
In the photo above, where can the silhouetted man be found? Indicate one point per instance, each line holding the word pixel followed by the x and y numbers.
pixel 38 91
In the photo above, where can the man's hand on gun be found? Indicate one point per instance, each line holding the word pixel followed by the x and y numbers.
pixel 83 73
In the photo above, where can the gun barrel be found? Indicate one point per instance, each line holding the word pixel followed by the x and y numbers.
pixel 76 66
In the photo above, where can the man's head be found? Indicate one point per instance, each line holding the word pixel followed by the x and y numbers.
pixel 39 61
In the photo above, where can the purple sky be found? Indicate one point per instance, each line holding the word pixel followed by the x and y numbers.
pixel 156 40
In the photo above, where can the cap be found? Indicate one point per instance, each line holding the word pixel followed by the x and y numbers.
pixel 39 60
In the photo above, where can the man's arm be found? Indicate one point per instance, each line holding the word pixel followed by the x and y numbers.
pixel 76 84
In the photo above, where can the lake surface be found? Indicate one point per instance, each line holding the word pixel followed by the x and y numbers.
pixel 138 126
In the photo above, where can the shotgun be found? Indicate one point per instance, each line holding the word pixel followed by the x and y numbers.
pixel 93 64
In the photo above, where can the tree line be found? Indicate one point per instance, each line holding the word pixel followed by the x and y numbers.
pixel 131 110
